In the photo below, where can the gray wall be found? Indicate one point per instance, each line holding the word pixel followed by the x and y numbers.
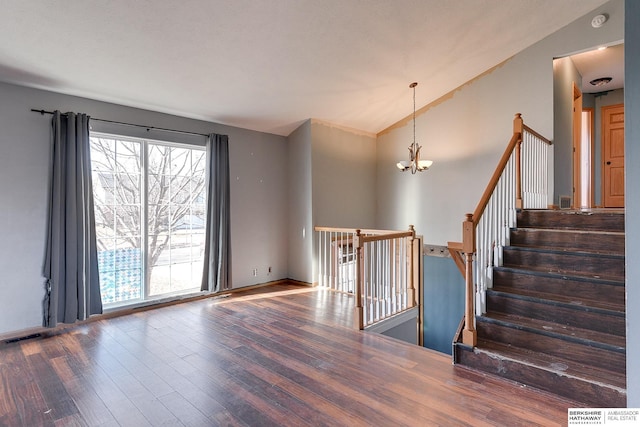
pixel 467 132
pixel 443 302
pixel 332 173
pixel 344 176
pixel 300 214
pixel 258 194
pixel 632 197
pixel 565 74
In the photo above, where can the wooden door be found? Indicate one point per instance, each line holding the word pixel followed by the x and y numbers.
pixel 613 156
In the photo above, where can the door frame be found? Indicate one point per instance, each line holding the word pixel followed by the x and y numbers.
pixel 577 143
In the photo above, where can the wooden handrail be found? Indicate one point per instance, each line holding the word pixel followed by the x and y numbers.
pixel 467 248
pixel 388 236
pixel 515 139
pixel 536 134
pixel 353 230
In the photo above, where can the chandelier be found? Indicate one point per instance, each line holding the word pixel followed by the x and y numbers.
pixel 414 164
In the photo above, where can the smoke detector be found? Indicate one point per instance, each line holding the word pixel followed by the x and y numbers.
pixel 598 21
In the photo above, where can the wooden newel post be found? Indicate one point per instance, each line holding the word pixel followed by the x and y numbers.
pixel 413 268
pixel 518 129
pixel 358 315
pixel 469 336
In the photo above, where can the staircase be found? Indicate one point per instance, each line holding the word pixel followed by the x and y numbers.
pixel 555 316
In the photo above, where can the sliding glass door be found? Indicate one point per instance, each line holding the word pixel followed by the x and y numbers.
pixel 149 201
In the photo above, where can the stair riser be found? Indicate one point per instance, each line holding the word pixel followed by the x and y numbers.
pixel 557 314
pixel 553 346
pixel 573 388
pixel 558 286
pixel 596 242
pixel 581 264
pixel 600 221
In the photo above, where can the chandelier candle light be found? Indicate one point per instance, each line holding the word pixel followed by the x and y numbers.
pixel 414 164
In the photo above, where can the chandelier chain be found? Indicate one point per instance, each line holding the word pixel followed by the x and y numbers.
pixel 414 114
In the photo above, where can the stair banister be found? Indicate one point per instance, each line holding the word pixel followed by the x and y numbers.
pixel 510 199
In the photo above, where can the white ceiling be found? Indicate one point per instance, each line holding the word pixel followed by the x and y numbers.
pixel 268 65
pixel 601 63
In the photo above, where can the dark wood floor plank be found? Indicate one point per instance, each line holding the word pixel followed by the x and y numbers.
pixel 120 406
pixel 183 410
pixel 275 388
pixel 21 401
pixel 238 402
pixel 278 356
pixel 51 386
pixel 92 409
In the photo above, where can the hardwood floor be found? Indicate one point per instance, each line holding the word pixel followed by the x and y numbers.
pixel 279 356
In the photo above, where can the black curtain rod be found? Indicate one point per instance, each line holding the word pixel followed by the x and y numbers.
pixel 148 128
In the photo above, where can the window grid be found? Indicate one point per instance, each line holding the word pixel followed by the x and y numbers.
pixel 150 217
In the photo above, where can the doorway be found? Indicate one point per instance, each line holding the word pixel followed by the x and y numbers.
pixel 597 75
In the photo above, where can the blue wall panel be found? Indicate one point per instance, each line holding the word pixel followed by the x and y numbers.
pixel 443 302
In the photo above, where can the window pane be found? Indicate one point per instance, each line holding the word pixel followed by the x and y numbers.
pixel 103 187
pixel 198 160
pixel 128 189
pixel 180 162
pixel 180 189
pixel 102 158
pixel 128 157
pixel 105 221
pixel 177 266
pixel 158 160
pixel 175 212
pixel 128 220
pixel 117 195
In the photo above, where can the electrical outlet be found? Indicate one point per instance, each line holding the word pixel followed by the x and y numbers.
pixel 269 270
pixel 255 272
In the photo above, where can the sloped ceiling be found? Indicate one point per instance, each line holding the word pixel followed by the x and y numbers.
pixel 268 65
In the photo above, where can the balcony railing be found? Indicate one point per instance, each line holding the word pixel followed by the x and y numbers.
pixel 381 268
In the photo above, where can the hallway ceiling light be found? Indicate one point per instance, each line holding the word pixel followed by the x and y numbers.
pixel 600 81
pixel 414 164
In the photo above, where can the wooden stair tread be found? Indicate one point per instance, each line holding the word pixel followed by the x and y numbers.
pixel 564 332
pixel 567 273
pixel 558 365
pixel 569 249
pixel 571 230
pixel 541 272
pixel 577 302
pixel 593 241
pixel 565 251
pixel 605 219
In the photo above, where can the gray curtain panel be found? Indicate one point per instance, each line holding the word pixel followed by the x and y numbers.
pixel 216 276
pixel 71 260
